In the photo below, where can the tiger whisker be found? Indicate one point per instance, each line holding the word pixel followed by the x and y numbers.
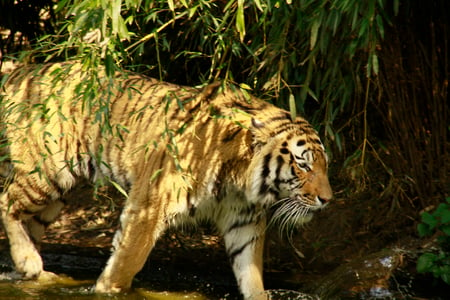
pixel 288 214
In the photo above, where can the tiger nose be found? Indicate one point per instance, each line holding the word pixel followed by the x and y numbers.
pixel 324 200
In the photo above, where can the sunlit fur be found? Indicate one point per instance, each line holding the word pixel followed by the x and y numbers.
pixel 181 154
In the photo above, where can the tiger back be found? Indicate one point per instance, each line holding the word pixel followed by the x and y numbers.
pixel 181 154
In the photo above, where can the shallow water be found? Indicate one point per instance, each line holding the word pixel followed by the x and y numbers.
pixel 73 289
pixel 168 277
pixel 53 286
pixel 153 283
pixel 23 290
pixel 86 270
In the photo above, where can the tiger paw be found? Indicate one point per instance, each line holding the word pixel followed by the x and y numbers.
pixel 30 266
pixel 105 288
pixel 46 277
pixel 107 285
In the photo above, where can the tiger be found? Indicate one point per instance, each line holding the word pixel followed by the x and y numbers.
pixel 181 154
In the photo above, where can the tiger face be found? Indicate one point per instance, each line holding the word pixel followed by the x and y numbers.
pixel 293 174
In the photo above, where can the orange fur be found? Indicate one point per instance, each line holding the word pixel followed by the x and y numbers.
pixel 182 154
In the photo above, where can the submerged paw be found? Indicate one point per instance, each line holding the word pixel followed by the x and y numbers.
pixel 30 266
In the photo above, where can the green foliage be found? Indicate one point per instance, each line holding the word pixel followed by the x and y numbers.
pixel 437 222
pixel 299 54
pixel 318 58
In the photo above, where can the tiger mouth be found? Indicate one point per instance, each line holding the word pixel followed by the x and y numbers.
pixel 298 203
pixel 288 213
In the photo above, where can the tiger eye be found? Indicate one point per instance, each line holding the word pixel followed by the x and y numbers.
pixel 301 143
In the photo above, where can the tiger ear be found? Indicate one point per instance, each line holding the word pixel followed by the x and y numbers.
pixel 257 124
pixel 257 130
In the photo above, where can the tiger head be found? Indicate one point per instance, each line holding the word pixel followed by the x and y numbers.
pixel 289 171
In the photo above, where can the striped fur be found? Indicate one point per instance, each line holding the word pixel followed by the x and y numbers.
pixel 182 154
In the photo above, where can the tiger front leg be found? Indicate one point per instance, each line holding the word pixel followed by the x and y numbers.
pixel 244 243
pixel 140 227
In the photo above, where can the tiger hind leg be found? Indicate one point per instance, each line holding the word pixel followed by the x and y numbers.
pixel 38 223
pixel 25 209
pixel 25 255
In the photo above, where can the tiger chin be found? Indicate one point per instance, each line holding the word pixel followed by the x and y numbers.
pixel 182 154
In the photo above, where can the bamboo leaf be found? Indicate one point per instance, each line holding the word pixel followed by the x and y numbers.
pixel 375 66
pixel 355 16
pixel 380 25
pixel 396 6
pixel 192 11
pixel 229 4
pixel 240 20
pixel 109 65
pixel 245 86
pixel 122 29
pixel 115 15
pixel 171 5
pixel 312 94
pixel 314 31
pixel 337 140
pixel 185 4
pixel 119 188
pixel 292 107
pixel 258 5
pixel 363 28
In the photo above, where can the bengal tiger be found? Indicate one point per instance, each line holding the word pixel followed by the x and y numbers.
pixel 181 154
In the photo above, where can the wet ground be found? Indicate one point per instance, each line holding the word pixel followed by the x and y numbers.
pixel 169 276
pixel 339 255
pixel 185 264
pixel 203 273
